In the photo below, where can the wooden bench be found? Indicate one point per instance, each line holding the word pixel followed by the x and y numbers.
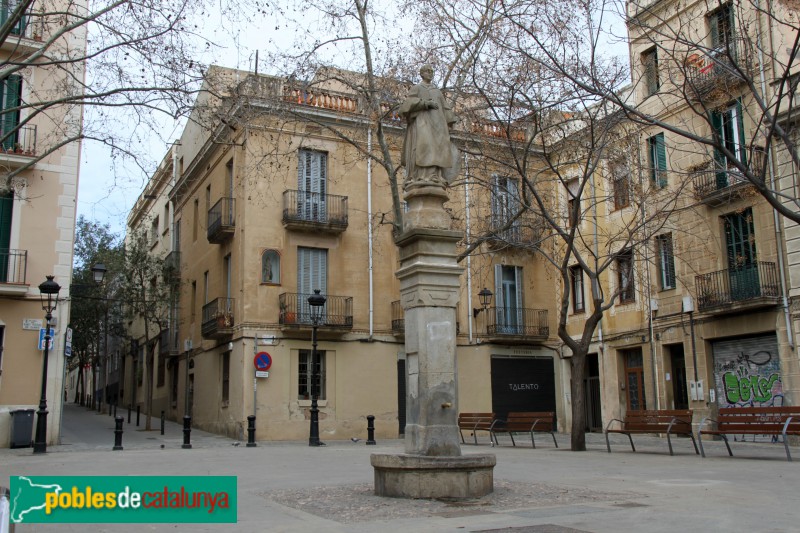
pixel 773 421
pixel 525 422
pixel 475 422
pixel 669 421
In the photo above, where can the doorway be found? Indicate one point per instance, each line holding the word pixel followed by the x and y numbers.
pixel 680 393
pixel 591 387
pixel 634 378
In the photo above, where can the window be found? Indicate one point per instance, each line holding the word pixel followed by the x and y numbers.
pixel 621 177
pixel 573 202
pixel 194 300
pixel 505 205
pixel 229 178
pixel 312 183
pixel 226 377
pixel 508 298
pixel 311 377
pixel 650 66
pixel 270 267
pixel 205 287
pixel 721 25
pixel 6 211
pixel 625 282
pixel 196 214
pixel 6 9
pixel 576 281
pixel 312 274
pixel 10 93
pixel 666 261
pixel 728 126
pixel 154 231
pixel 657 160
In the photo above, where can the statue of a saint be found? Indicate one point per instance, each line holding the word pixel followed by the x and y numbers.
pixel 428 155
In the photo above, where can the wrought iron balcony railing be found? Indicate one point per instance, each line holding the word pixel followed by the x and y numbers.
pixel 743 284
pixel 720 68
pixel 398 317
pixel 525 231
pixel 218 318
pixel 295 311
pixel 17 140
pixel 506 321
pixel 715 185
pixel 172 265
pixel 221 220
pixel 315 211
pixel 13 266
pixel 167 342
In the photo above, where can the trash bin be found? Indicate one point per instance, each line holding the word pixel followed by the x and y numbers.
pixel 22 428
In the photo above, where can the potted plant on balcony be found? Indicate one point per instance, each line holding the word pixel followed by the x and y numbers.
pixel 289 317
pixel 224 320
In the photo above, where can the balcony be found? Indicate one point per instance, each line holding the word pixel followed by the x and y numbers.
pixel 168 343
pixel 221 221
pixel 13 271
pixel 525 232
pixel 313 211
pixel 398 318
pixel 218 319
pixel 715 186
pixel 337 313
pixel 19 147
pixel 25 36
pixel 718 71
pixel 737 289
pixel 172 266
pixel 517 325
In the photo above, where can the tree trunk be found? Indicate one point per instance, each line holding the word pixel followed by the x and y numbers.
pixel 578 441
pixel 148 378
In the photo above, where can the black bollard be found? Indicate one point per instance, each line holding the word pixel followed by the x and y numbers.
pixel 138 410
pixel 129 413
pixel 187 432
pixel 251 431
pixel 371 430
pixel 110 413
pixel 162 422
pixel 118 433
pixel 115 410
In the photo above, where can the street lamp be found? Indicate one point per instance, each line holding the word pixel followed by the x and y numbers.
pixel 48 292
pixel 98 275
pixel 485 297
pixel 316 301
pixel 99 272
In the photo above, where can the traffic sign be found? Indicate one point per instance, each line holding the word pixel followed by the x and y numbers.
pixel 262 361
pixel 262 374
pixel 41 339
pixel 68 343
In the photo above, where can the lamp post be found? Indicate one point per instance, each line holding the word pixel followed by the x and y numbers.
pixel 485 297
pixel 316 301
pixel 98 275
pixel 48 292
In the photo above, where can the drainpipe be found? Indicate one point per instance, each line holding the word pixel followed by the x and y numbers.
pixel 369 232
pixel 771 170
pixel 469 257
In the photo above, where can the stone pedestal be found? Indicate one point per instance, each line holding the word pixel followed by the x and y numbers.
pixel 429 285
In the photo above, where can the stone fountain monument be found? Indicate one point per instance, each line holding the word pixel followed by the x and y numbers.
pixel 432 465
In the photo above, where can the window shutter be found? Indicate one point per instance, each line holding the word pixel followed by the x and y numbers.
pixel 713 22
pixel 499 302
pixel 12 88
pixel 740 123
pixel 6 209
pixel 661 161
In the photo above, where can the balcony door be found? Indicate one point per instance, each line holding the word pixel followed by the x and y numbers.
pixel 312 273
pixel 6 210
pixel 505 204
pixel 10 91
pixel 508 290
pixel 312 185
pixel 740 245
pixel 729 127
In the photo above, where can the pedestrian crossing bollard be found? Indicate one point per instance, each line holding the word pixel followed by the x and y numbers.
pixel 187 432
pixel 118 432
pixel 371 430
pixel 251 431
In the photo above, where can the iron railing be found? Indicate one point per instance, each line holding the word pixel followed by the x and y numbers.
pixel 221 219
pixel 313 208
pixel 525 231
pixel 711 178
pixel 398 317
pixel 217 316
pixel 520 322
pixel 13 266
pixel 172 265
pixel 710 69
pixel 295 311
pixel 20 140
pixel 737 285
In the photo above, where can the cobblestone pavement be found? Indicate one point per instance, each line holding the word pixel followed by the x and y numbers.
pixel 288 486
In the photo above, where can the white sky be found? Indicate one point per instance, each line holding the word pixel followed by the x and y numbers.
pixel 106 194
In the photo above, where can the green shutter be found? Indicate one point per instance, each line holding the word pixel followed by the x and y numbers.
pixel 9 120
pixel 6 9
pixel 719 158
pixel 6 209
pixel 740 119
pixel 658 160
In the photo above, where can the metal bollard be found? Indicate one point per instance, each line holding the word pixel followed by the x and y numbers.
pixel 118 432
pixel 110 413
pixel 115 410
pixel 187 432
pixel 251 431
pixel 129 413
pixel 162 422
pixel 138 411
pixel 371 430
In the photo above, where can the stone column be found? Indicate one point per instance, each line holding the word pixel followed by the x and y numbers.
pixel 429 285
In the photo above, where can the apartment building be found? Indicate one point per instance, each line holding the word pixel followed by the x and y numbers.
pixel 269 204
pixel 37 212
